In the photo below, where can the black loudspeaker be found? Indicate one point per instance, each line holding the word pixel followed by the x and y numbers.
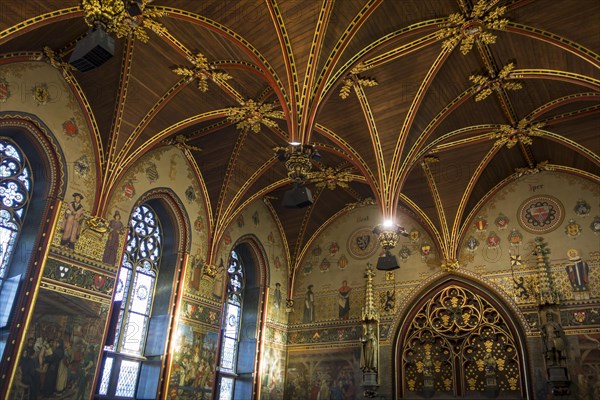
pixel 93 50
pixel 387 262
pixel 298 197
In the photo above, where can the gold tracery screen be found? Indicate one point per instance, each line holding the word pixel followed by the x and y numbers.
pixel 455 341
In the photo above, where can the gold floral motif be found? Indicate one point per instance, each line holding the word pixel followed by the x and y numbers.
pixel 487 84
pixel 350 81
pixel 472 383
pixel 252 114
pixel 57 63
pixel 511 135
pixel 480 364
pixel 201 72
pixel 488 346
pixel 411 384
pixel 331 178
pixel 447 384
pixel 541 166
pixel 115 18
pixel 467 29
pixel 500 362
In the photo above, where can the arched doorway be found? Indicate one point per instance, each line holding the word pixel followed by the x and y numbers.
pixel 458 340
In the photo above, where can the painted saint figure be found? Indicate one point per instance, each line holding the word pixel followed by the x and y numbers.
pixel 277 296
pixel 309 305
pixel 111 249
pixel 578 272
pixel 344 300
pixel 71 224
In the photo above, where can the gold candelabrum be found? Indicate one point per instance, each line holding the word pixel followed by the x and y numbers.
pixel 388 239
pixel 297 159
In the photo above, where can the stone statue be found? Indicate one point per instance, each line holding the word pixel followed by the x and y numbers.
pixel 553 340
pixel 370 348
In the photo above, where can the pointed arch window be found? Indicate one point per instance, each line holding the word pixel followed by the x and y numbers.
pixel 16 186
pixel 124 353
pixel 231 328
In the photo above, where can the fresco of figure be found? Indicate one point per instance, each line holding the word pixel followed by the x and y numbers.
pixel 111 249
pixel 578 271
pixel 344 300
pixel 71 224
pixel 309 305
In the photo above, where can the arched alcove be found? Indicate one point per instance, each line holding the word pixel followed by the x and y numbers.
pixel 241 332
pixel 136 351
pixel 457 339
pixel 29 212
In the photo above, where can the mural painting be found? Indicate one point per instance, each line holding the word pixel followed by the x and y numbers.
pixel 273 373
pixel 61 348
pixel 193 365
pixel 321 375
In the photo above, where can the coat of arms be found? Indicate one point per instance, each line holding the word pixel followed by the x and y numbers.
pixel 541 214
pixel 362 243
pixel 70 127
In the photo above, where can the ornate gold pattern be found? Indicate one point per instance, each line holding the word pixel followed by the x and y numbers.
pixel 367 201
pixel 467 29
pixel 211 270
pixel 114 17
pixel 456 332
pixel 252 113
pixel 450 265
pixel 510 135
pixel 547 293
pixel 369 312
pixel 541 166
pixel 180 141
pixel 201 71
pixel 388 239
pixel 355 79
pixel 297 160
pixel 331 178
pixel 487 84
pixel 64 67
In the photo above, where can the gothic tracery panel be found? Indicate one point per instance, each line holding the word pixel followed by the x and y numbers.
pixel 459 345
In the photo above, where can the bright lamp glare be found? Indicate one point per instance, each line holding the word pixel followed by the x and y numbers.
pixel 295 143
pixel 388 223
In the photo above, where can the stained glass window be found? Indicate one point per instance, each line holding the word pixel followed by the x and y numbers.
pixel 231 327
pixel 134 291
pixel 15 187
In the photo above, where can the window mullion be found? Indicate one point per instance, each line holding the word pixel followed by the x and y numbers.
pixel 125 319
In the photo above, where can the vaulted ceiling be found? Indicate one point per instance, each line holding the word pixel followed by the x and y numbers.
pixel 425 106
